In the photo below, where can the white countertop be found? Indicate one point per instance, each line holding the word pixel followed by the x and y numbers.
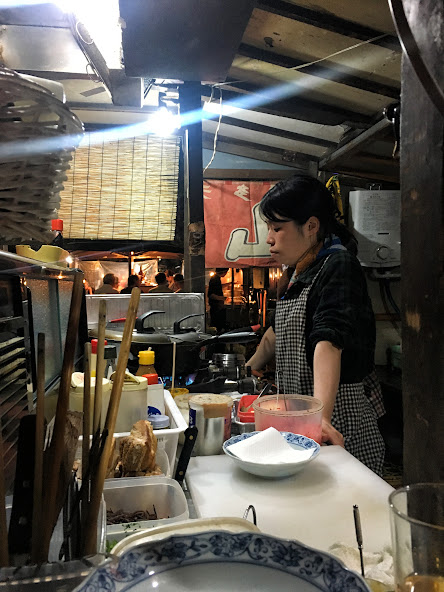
pixel 314 506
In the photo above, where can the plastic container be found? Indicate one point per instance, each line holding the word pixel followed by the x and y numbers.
pixel 168 438
pixel 144 493
pixel 146 363
pixel 298 414
pixel 133 402
pixel 211 414
pixel 159 422
pixel 77 390
pixel 246 416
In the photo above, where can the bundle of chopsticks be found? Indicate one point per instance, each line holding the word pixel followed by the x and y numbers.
pixel 55 484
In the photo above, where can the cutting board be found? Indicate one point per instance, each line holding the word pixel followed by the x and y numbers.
pixel 314 506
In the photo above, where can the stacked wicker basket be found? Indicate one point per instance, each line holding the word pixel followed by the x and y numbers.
pixel 38 134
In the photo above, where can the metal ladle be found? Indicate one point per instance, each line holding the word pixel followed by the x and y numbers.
pixel 264 391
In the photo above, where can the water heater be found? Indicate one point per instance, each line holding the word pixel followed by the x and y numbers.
pixel 375 219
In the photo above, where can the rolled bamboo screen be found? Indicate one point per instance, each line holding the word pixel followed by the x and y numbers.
pixel 125 189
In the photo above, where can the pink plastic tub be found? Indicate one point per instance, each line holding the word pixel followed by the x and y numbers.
pixel 298 414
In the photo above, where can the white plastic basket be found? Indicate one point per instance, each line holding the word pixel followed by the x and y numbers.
pixel 168 438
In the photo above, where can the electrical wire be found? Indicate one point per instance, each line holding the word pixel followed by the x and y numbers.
pixel 339 52
pixel 306 64
pixel 217 129
pixel 390 297
pixel 386 308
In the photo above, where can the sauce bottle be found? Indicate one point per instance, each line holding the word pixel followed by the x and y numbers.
pixel 146 363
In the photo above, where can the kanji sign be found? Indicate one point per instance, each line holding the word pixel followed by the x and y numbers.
pixel 235 234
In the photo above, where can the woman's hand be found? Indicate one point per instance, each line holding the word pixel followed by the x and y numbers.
pixel 330 435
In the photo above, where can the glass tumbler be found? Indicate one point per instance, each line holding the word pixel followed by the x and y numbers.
pixel 417 525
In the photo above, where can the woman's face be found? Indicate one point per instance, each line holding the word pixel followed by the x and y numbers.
pixel 288 241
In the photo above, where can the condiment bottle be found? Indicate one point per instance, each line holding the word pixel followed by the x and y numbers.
pixel 156 397
pixel 146 363
pixel 94 355
pixel 57 230
pixel 159 422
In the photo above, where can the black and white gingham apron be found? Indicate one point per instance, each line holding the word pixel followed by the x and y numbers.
pixel 353 415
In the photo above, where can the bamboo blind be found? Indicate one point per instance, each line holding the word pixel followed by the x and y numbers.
pixel 124 189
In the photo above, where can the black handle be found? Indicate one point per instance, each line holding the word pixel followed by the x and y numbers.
pixel 240 337
pixel 176 325
pixel 140 321
pixel 184 458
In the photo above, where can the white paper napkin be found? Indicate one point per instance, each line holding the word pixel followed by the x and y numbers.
pixel 268 447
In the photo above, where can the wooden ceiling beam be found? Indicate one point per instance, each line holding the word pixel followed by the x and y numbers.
pixel 273 131
pixel 292 105
pixel 329 22
pixel 332 72
pixel 237 147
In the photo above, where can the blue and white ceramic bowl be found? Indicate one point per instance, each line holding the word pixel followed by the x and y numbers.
pixel 274 471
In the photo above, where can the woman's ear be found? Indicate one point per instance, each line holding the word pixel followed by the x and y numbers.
pixel 313 225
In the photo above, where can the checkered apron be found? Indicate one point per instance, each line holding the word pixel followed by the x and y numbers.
pixel 353 415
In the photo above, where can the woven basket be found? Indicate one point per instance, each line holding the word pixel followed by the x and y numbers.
pixel 38 134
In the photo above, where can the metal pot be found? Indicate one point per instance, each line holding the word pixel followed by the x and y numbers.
pixel 189 343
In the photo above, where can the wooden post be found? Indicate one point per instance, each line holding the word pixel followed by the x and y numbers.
pixel 194 234
pixel 422 281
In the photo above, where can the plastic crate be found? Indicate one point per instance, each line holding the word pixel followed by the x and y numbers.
pixel 161 494
pixel 169 437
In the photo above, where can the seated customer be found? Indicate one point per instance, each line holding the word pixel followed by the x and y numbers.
pixel 162 284
pixel 179 283
pixel 133 282
pixel 110 283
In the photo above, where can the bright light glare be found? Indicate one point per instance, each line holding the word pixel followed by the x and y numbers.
pixel 216 107
pixel 163 122
pixel 68 259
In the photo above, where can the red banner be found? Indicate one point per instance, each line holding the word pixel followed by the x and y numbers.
pixel 235 234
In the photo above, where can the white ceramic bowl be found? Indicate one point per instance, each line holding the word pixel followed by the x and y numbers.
pixel 274 471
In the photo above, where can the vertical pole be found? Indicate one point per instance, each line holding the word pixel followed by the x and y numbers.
pixel 422 281
pixel 194 234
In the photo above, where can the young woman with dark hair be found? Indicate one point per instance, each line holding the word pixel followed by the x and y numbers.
pixel 323 334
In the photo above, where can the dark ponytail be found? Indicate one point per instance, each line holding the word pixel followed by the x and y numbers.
pixel 301 197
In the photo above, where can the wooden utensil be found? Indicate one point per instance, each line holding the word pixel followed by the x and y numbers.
pixel 100 366
pixel 55 453
pixel 110 422
pixel 39 446
pixel 86 431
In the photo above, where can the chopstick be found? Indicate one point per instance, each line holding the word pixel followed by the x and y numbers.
pixel 173 372
pixel 86 431
pixel 57 446
pixel 358 531
pixel 39 447
pixel 100 367
pixel 4 554
pixel 98 480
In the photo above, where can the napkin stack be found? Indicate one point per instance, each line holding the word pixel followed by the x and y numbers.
pixel 378 566
pixel 268 447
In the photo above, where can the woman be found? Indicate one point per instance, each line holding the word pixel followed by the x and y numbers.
pixel 324 330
